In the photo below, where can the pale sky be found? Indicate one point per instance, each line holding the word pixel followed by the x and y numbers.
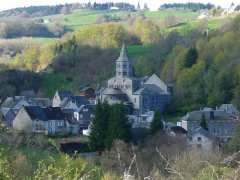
pixel 153 4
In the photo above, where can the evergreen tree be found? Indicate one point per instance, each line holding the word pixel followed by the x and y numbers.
pixel 157 123
pixel 118 127
pixel 203 122
pixel 190 58
pixel 98 127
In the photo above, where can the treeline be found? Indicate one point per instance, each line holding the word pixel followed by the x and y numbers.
pixel 29 28
pixel 191 6
pixel 109 5
pixel 15 81
pixel 37 11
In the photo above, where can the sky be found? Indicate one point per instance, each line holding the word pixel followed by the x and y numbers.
pixel 153 4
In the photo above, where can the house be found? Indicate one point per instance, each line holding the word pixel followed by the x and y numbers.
pixel 221 121
pixel 200 139
pixel 80 117
pixel 60 97
pixel 142 94
pixel 12 105
pixel 35 119
pixel 74 102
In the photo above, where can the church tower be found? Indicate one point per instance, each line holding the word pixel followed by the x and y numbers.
pixel 123 65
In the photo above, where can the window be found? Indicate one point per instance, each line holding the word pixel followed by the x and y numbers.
pixel 190 138
pixel 199 139
pixel 199 146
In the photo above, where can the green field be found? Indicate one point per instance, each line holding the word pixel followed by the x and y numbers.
pixel 185 14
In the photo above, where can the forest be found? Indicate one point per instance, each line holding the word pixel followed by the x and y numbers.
pixel 192 6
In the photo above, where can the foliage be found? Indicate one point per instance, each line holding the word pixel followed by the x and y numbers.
pixel 192 6
pixel 118 125
pixel 98 127
pixel 234 143
pixel 157 123
pixel 104 35
pixel 67 168
pixel 203 122
pixel 146 30
pixel 29 28
pixel 110 123
pixel 15 81
pixel 191 58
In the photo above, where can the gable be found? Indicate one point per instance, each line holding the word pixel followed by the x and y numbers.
pixel 155 80
pixel 22 121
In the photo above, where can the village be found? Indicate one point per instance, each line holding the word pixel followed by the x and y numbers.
pixel 66 113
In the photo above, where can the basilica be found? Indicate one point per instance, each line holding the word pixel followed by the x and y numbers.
pixel 141 94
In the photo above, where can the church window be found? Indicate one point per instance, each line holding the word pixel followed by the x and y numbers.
pixel 124 73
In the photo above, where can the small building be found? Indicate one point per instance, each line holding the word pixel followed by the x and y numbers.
pixel 221 122
pixel 200 139
pixel 35 119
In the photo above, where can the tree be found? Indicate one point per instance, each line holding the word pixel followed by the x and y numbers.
pixel 98 127
pixel 118 126
pixel 157 123
pixel 203 122
pixel 191 58
pixel 234 143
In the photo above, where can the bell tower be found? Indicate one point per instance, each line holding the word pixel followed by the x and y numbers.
pixel 123 65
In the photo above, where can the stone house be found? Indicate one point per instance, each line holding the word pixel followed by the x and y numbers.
pixel 12 105
pixel 35 119
pixel 221 122
pixel 200 139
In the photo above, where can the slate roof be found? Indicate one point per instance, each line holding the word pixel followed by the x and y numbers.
pixel 123 54
pixel 149 88
pixel 65 94
pixel 36 112
pixel 44 114
pixel 216 115
pixel 79 100
pixel 202 131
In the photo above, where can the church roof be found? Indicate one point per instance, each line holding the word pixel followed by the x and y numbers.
pixel 150 88
pixel 154 79
pixel 123 54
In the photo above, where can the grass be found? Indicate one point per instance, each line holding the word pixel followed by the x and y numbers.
pixel 165 13
pixel 135 51
pixel 51 82
pixel 43 40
